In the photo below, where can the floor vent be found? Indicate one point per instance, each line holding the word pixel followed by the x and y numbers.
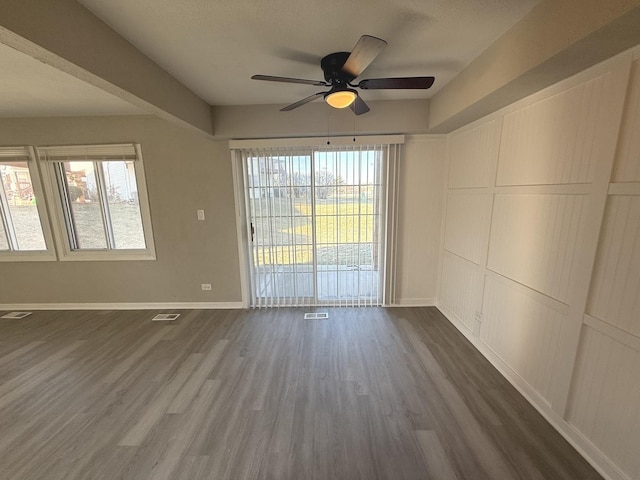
pixel 16 315
pixel 165 317
pixel 316 316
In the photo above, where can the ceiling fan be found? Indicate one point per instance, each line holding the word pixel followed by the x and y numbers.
pixel 342 68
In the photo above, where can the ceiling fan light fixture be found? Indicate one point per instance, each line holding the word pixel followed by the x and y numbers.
pixel 341 98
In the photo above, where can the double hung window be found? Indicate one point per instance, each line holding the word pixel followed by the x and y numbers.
pixel 101 203
pixel 24 227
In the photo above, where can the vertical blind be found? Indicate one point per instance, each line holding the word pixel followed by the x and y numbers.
pixel 318 217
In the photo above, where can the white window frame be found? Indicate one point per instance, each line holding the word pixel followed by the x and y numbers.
pixel 49 254
pixel 49 156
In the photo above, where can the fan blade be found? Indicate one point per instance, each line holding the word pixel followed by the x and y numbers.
pixel 269 78
pixel 365 51
pixel 359 106
pixel 396 83
pixel 299 103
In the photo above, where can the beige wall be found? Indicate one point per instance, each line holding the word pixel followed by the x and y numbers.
pixel 69 37
pixel 266 121
pixel 541 254
pixel 185 171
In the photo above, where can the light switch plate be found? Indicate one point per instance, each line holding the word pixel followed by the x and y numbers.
pixel 200 214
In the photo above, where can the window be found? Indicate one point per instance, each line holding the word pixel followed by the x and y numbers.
pixel 24 228
pixel 102 210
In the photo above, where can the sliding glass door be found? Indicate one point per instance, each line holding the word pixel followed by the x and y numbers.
pixel 317 225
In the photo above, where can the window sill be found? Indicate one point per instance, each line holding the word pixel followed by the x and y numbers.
pixel 33 256
pixel 107 256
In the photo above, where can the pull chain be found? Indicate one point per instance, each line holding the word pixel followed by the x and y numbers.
pixel 354 127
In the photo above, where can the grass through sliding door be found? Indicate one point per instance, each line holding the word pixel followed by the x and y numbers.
pixel 317 225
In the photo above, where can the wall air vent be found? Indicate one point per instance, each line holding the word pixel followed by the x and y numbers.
pixel 165 317
pixel 316 316
pixel 16 315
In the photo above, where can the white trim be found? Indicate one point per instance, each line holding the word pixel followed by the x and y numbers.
pixel 537 296
pixel 241 228
pixel 62 241
pixel 584 447
pixel 59 153
pixel 413 302
pixel 557 189
pixel 632 188
pixel 424 137
pixel 603 68
pixel 124 306
pixel 28 256
pixel 390 183
pixel 610 116
pixel 316 141
pixel 615 333
pixel 48 255
pixel 14 153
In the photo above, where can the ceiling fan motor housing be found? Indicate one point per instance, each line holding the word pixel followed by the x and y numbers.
pixel 332 67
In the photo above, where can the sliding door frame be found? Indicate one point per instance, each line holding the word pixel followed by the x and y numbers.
pixel 387 204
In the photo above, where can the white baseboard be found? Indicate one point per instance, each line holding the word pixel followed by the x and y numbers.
pixel 414 302
pixel 124 306
pixel 588 450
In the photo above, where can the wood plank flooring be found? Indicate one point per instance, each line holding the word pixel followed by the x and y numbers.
pixel 369 393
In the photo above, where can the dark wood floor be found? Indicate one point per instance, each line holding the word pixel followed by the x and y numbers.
pixel 370 393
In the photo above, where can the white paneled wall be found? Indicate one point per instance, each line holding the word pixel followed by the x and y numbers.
pixel 478 143
pixel 466 226
pixel 532 240
pixel 524 331
pixel 552 141
pixel 606 396
pixel 540 263
pixel 627 166
pixel 615 289
pixel 461 288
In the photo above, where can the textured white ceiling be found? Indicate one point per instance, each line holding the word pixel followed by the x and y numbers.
pixel 29 87
pixel 214 46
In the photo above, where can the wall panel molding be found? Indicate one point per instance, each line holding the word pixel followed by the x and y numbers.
pixel 609 330
pixel 568 121
pixel 616 277
pixel 605 402
pixel 461 288
pixel 523 332
pixel 466 226
pixel 479 142
pixel 551 182
pixel 532 240
pixel 627 164
pixel 624 188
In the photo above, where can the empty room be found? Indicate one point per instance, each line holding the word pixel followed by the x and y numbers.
pixel 372 239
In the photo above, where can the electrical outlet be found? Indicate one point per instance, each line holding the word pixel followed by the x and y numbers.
pixel 206 286
pixel 201 217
